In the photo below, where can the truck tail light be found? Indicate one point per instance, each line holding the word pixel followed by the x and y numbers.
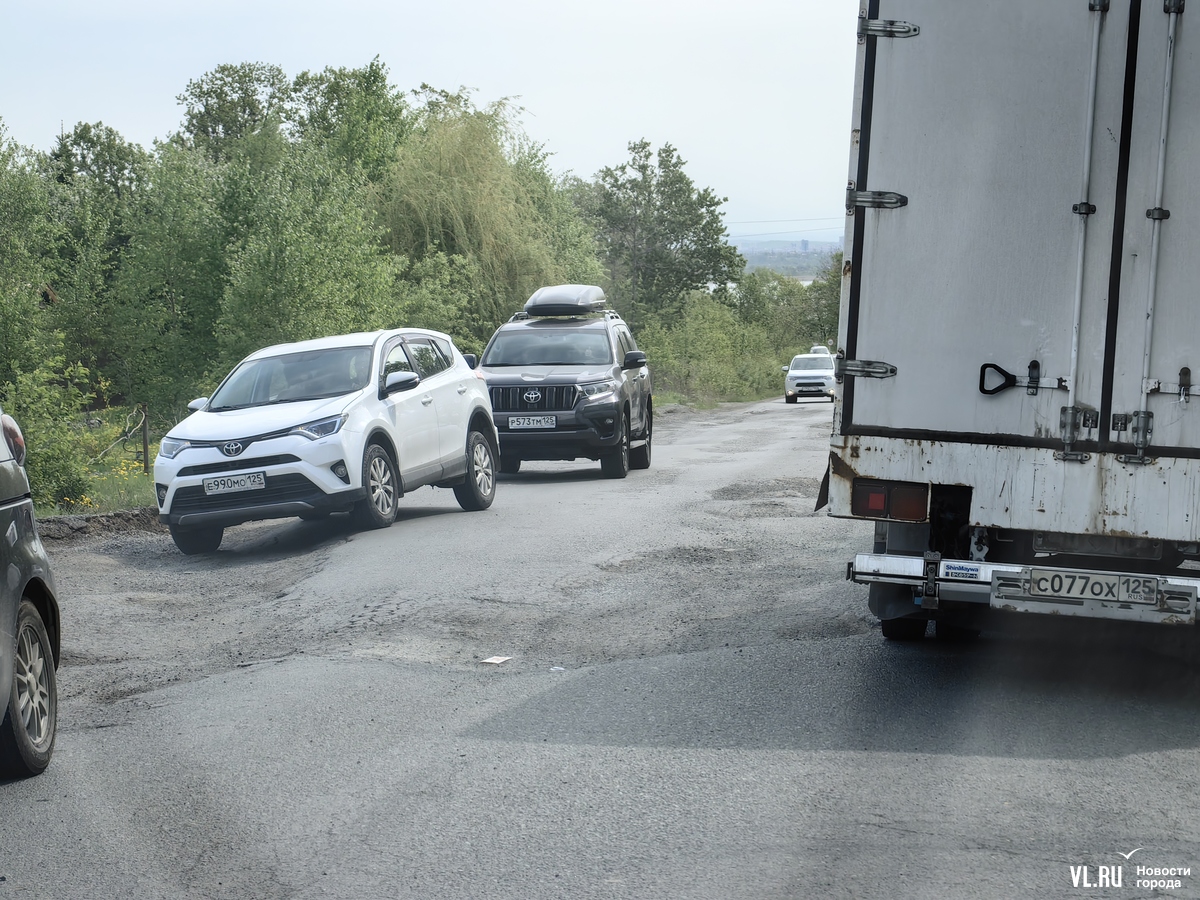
pixel 901 500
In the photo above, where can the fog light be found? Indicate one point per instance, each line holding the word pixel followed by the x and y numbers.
pixel 340 470
pixel 161 490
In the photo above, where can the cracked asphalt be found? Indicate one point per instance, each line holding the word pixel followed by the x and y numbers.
pixel 696 704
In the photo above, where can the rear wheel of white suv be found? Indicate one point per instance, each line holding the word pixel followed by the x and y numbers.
pixel 479 488
pixel 378 508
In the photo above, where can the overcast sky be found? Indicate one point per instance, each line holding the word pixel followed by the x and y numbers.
pixel 755 95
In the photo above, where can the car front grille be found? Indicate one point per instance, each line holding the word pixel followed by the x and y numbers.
pixel 520 398
pixel 279 489
pixel 233 465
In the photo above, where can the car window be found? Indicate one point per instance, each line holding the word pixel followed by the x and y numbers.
pixel 396 360
pixel 429 361
pixel 812 362
pixel 548 348
pixel 307 375
pixel 446 350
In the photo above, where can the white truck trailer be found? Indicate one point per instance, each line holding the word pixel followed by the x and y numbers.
pixel 1020 311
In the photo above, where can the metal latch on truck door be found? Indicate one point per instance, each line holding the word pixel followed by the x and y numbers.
pixel 860 368
pixel 889 28
pixel 872 199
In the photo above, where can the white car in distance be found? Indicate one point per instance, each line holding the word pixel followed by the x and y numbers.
pixel 336 424
pixel 809 375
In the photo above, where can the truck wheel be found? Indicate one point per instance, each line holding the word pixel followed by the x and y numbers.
pixel 378 509
pixel 615 464
pixel 787 399
pixel 479 488
pixel 639 457
pixel 904 629
pixel 192 540
pixel 31 717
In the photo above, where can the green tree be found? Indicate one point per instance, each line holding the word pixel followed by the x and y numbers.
pixel 232 102
pixel 356 113
pixel 823 302
pixel 312 263
pixel 467 184
pixel 660 236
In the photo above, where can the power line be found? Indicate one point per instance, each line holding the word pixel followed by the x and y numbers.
pixel 776 233
pixel 777 221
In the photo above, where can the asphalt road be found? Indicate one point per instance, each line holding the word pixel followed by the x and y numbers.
pixel 696 705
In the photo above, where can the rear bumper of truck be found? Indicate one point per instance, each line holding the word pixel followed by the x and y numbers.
pixel 1164 599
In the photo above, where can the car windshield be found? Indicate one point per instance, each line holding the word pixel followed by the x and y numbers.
pixel 548 348
pixel 307 375
pixel 812 362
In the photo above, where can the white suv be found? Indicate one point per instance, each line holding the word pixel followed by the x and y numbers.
pixel 809 375
pixel 337 424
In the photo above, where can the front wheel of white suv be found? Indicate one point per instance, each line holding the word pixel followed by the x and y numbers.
pixel 479 488
pixel 382 484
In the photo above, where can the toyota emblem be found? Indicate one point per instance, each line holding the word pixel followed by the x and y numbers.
pixel 233 448
pixel 533 396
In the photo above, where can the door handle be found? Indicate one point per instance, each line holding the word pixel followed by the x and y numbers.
pixel 462 388
pixel 426 400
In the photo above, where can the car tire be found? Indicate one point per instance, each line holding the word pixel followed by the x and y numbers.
pixel 31 718
pixel 903 629
pixel 380 481
pixel 615 463
pixel 479 488
pixel 510 465
pixel 787 399
pixel 195 539
pixel 639 457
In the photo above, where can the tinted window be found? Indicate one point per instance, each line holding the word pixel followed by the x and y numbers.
pixel 548 348
pixel 396 361
pixel 428 359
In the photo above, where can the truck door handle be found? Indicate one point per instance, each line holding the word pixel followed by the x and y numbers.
pixel 426 400
pixel 462 388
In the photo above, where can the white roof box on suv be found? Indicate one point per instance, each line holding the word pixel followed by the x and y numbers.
pixel 565 300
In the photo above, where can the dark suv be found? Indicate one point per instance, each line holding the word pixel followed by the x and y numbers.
pixel 29 623
pixel 568 381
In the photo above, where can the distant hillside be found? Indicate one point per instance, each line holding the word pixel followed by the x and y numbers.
pixel 799 259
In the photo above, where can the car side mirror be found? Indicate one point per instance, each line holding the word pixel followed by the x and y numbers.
pixel 634 359
pixel 472 360
pixel 198 404
pixel 400 381
pixel 783 369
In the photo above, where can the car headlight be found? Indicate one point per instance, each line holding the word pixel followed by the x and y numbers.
pixel 598 389
pixel 172 447
pixel 320 428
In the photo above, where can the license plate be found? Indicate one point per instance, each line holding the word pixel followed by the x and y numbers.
pixel 229 484
pixel 532 421
pixel 1111 588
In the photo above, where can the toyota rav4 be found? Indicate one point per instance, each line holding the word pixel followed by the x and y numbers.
pixel 337 424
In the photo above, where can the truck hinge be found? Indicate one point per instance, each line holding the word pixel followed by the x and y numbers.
pixel 929 590
pixel 860 368
pixel 872 199
pixel 1173 6
pixel 1158 213
pixel 1098 5
pixel 889 28
pixel 1185 385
